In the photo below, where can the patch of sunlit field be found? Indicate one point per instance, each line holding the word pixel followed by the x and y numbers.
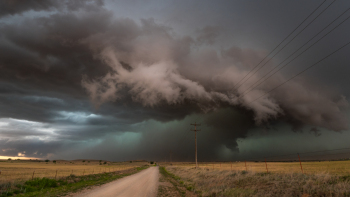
pixel 314 167
pixel 17 171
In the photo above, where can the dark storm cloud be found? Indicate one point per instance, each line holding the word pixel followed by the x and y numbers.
pixel 12 7
pixel 47 58
pixel 30 148
pixel 156 76
pixel 144 81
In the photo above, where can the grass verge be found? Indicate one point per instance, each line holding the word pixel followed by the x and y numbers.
pixel 179 185
pixel 168 175
pixel 51 187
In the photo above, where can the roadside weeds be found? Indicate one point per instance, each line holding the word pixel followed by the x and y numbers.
pixel 172 186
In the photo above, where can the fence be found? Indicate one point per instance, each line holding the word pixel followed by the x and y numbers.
pixel 21 171
pixel 336 161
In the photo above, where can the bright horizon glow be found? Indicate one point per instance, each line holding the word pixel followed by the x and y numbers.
pixel 14 158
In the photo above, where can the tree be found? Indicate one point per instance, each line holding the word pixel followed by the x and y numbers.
pixel 47 160
pixel 9 159
pixel 54 161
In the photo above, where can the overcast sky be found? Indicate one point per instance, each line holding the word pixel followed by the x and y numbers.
pixel 122 80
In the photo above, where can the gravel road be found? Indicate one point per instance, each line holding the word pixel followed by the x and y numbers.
pixel 143 184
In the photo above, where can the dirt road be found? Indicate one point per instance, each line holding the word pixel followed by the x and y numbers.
pixel 143 184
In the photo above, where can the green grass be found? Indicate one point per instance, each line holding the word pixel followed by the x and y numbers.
pixel 51 187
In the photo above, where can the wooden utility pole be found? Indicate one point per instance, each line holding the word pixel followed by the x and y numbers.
pixel 300 164
pixel 195 139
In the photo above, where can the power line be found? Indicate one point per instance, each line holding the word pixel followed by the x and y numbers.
pixel 288 42
pixel 251 87
pixel 301 72
pixel 281 42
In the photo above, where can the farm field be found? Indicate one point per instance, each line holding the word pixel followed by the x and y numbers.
pixel 17 171
pixel 325 178
pixel 314 167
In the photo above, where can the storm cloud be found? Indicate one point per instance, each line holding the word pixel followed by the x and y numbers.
pixel 78 75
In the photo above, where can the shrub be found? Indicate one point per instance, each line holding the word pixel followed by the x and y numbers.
pixel 42 183
pixel 54 161
pixel 47 160
pixel 28 188
pixel 152 162
pixel 9 159
pixel 16 191
pixel 83 160
pixel 104 162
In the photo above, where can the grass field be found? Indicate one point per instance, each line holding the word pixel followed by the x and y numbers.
pixel 325 178
pixel 331 167
pixel 19 171
pixel 45 187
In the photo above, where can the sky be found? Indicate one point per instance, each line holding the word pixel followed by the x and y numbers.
pixel 124 80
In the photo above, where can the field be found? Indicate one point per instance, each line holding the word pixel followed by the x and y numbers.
pixel 325 178
pixel 18 171
pixel 330 167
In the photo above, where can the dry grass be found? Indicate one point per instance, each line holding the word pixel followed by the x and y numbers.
pixel 17 171
pixel 283 179
pixel 242 183
pixel 329 167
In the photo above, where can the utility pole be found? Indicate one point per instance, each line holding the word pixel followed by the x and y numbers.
pixel 195 139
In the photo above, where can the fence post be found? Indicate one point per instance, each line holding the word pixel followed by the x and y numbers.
pixel 56 175
pixel 266 166
pixel 245 162
pixel 301 167
pixel 33 175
